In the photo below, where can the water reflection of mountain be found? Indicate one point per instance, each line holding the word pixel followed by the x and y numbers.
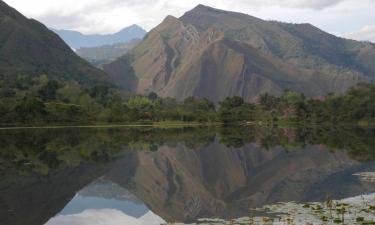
pixel 181 184
pixel 104 194
pixel 180 174
pixel 32 199
pixel 102 188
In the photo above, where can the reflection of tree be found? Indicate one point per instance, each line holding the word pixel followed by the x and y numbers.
pixel 236 137
pixel 43 150
pixel 359 142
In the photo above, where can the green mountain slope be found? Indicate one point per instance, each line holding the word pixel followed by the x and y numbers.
pixel 214 54
pixel 29 48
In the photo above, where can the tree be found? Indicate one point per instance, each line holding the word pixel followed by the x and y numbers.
pixel 153 96
pixel 70 92
pixel 49 90
pixel 234 109
pixel 232 102
pixel 30 109
pixel 141 103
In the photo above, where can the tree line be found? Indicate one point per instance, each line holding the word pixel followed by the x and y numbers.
pixel 42 101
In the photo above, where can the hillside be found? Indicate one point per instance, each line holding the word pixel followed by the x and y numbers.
pixel 78 40
pixel 28 48
pixel 106 53
pixel 210 53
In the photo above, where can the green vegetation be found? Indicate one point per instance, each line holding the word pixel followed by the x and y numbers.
pixel 40 101
pixel 355 107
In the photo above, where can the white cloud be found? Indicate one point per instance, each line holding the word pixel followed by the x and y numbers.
pixel 108 16
pixel 366 33
pixel 314 4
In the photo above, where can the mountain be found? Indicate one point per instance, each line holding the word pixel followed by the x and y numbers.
pixel 28 48
pixel 106 53
pixel 213 53
pixel 78 40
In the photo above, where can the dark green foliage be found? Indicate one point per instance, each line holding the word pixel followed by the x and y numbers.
pixel 153 96
pixel 357 105
pixel 232 102
pixel 30 108
pixel 234 109
pixel 49 90
pixel 41 101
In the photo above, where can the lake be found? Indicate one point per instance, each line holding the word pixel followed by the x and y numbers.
pixel 201 175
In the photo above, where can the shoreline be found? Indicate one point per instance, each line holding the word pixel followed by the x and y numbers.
pixel 178 124
pixel 157 125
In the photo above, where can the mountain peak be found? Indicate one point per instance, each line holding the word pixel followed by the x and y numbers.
pixel 205 9
pixel 201 6
pixel 3 6
pixel 169 18
pixel 203 17
pixel 212 53
pixel 133 27
pixel 7 10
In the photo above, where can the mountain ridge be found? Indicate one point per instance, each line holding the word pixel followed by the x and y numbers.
pixel 188 56
pixel 77 40
pixel 104 54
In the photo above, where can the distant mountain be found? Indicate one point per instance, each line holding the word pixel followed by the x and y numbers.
pixel 78 40
pixel 213 53
pixel 28 48
pixel 106 53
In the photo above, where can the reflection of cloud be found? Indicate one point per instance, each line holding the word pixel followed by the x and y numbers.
pixel 106 189
pixel 366 33
pixel 104 194
pixel 105 216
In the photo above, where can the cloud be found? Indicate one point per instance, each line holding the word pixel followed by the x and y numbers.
pixel 108 16
pixel 305 4
pixel 312 4
pixel 366 33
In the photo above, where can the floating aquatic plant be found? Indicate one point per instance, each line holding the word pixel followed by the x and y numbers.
pixel 358 210
pixel 366 176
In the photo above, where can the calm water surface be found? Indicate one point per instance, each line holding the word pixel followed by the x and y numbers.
pixel 155 176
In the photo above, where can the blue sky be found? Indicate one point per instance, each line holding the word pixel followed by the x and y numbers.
pixel 349 18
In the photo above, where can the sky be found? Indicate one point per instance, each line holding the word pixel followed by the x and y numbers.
pixel 347 18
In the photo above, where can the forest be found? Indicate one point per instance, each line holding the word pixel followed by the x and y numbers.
pixel 40 100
